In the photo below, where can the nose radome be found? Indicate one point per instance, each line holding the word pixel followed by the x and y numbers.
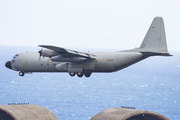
pixel 8 64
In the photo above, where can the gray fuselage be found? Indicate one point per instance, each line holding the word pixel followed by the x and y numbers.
pixel 104 62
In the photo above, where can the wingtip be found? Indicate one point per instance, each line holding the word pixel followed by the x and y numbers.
pixel 40 45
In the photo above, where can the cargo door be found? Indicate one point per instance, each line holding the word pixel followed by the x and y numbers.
pixel 24 66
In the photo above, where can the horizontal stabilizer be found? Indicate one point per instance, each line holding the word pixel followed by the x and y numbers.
pixel 155 53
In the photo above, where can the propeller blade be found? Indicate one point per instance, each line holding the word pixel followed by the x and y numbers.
pixel 39 58
pixel 40 54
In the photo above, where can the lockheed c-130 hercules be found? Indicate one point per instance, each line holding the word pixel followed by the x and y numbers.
pixel 57 59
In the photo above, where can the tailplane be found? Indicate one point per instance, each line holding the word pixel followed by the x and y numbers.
pixel 154 42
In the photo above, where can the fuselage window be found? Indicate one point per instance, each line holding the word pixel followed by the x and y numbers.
pixel 16 56
pixel 13 61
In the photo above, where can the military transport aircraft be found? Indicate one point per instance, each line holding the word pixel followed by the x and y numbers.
pixel 57 59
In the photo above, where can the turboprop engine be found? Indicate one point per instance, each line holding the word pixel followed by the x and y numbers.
pixel 47 53
pixel 55 56
pixel 61 58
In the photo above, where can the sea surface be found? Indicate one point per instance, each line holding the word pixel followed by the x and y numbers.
pixel 152 84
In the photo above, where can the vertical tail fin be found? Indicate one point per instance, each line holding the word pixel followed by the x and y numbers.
pixel 155 39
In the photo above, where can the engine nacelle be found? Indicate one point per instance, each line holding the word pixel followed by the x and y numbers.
pixel 60 58
pixel 49 53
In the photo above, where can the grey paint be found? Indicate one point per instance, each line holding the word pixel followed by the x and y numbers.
pixel 57 59
pixel 155 39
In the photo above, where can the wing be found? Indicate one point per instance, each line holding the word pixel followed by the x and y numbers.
pixel 67 52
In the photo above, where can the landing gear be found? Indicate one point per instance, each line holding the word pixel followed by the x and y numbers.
pixel 72 74
pixel 79 74
pixel 21 73
pixel 87 74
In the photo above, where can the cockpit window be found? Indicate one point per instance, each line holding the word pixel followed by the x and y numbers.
pixel 16 56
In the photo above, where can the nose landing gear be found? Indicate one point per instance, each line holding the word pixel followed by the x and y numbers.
pixel 21 73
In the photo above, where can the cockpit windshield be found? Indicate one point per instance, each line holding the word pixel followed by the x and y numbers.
pixel 16 56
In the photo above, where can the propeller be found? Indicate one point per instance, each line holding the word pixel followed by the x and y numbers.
pixel 40 54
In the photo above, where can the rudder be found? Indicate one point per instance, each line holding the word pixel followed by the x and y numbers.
pixel 155 39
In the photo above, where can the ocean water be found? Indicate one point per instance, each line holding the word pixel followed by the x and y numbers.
pixel 152 84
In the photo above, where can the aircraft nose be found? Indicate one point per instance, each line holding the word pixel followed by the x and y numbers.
pixel 8 64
